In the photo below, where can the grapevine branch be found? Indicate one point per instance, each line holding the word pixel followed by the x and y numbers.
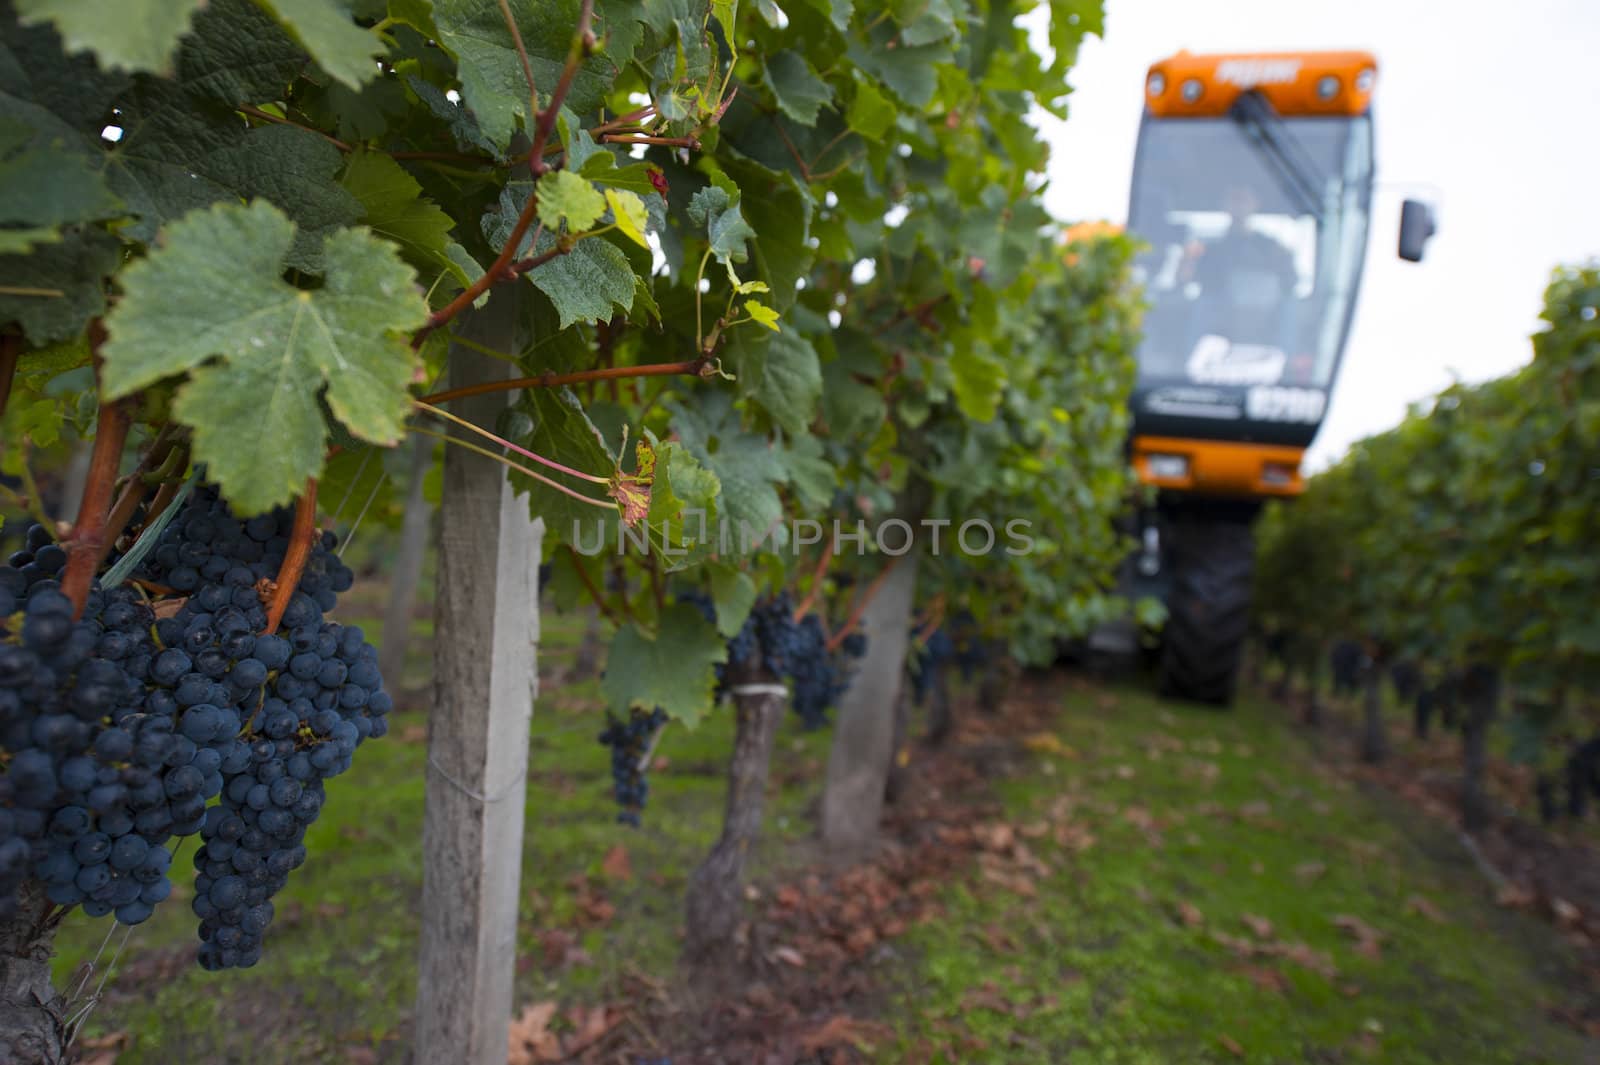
pixel 504 268
pixel 89 529
pixel 162 448
pixel 816 582
pixel 10 352
pixel 860 606
pixel 594 593
pixel 294 560
pixel 695 367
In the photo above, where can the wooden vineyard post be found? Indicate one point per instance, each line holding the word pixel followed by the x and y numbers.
pixel 485 675
pixel 863 739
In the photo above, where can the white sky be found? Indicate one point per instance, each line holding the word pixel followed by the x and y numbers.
pixel 1488 109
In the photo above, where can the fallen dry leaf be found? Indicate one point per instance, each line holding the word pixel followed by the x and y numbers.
pixel 1309 871
pixel 842 1028
pixel 789 956
pixel 1565 913
pixel 616 865
pixel 1231 1045
pixel 1424 906
pixel 102 1049
pixel 589 1026
pixel 530 1038
pixel 1190 914
pixel 1267 979
pixel 1259 927
pixel 1514 896
pixel 1368 938
pixel 1048 743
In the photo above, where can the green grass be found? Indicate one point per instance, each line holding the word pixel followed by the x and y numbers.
pixel 1107 970
pixel 1098 967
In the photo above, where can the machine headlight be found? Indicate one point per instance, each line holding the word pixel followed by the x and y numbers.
pixel 1167 467
pixel 1327 87
pixel 1277 474
pixel 1191 90
pixel 1157 83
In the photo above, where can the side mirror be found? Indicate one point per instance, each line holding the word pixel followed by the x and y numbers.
pixel 1416 226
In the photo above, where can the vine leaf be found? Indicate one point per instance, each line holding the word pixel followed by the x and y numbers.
pixel 734 594
pixel 782 373
pixel 630 213
pixel 800 93
pixel 585 283
pixel 672 669
pixel 73 269
pixel 45 183
pixel 746 466
pixel 128 35
pixel 397 210
pixel 339 46
pixel 492 80
pixel 566 197
pixel 713 208
pixel 215 288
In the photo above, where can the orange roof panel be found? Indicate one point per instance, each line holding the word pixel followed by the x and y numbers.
pixel 1295 83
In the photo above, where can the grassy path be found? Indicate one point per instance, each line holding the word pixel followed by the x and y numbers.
pixel 1214 895
pixel 1168 885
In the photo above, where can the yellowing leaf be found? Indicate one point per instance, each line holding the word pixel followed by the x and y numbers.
pixel 630 213
pixel 761 314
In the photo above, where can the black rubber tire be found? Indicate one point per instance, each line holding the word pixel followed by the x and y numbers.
pixel 1208 611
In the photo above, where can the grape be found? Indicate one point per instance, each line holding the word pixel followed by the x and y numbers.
pixel 629 740
pixel 120 729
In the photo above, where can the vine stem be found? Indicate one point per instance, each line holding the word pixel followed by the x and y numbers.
pixel 816 582
pixel 10 352
pixel 524 452
pixel 594 593
pixel 860 607
pixel 89 529
pixel 694 367
pixel 294 560
pixel 134 490
pixel 504 268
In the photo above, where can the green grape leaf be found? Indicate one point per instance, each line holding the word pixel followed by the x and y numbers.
pixel 682 506
pixel 129 35
pixel 602 169
pixel 781 373
pixel 910 73
pixel 781 213
pixel 800 93
pixel 745 464
pixel 733 594
pixel 672 669
pixel 463 123
pixel 58 287
pixel 870 113
pixel 725 227
pixel 397 211
pixel 47 183
pixel 566 197
pixel 492 80
pixel 175 158
pixel 761 314
pixel 238 54
pixel 339 46
pixel 978 381
pixel 849 407
pixel 215 288
pixel 16 241
pixel 811 475
pixel 587 282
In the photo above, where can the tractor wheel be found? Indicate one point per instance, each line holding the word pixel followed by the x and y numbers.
pixel 1208 611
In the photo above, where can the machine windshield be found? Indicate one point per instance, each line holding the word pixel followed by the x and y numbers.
pixel 1253 262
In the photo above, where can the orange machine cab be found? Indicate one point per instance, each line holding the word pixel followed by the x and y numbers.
pixel 1295 83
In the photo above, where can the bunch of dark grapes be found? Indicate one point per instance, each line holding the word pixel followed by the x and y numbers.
pixel 629 741
pixel 929 658
pixel 122 727
pixel 798 650
pixel 971 650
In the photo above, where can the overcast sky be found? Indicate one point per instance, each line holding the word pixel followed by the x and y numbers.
pixel 1487 109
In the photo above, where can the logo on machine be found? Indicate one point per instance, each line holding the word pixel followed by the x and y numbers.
pixel 1193 403
pixel 1216 360
pixel 1246 73
pixel 1269 404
